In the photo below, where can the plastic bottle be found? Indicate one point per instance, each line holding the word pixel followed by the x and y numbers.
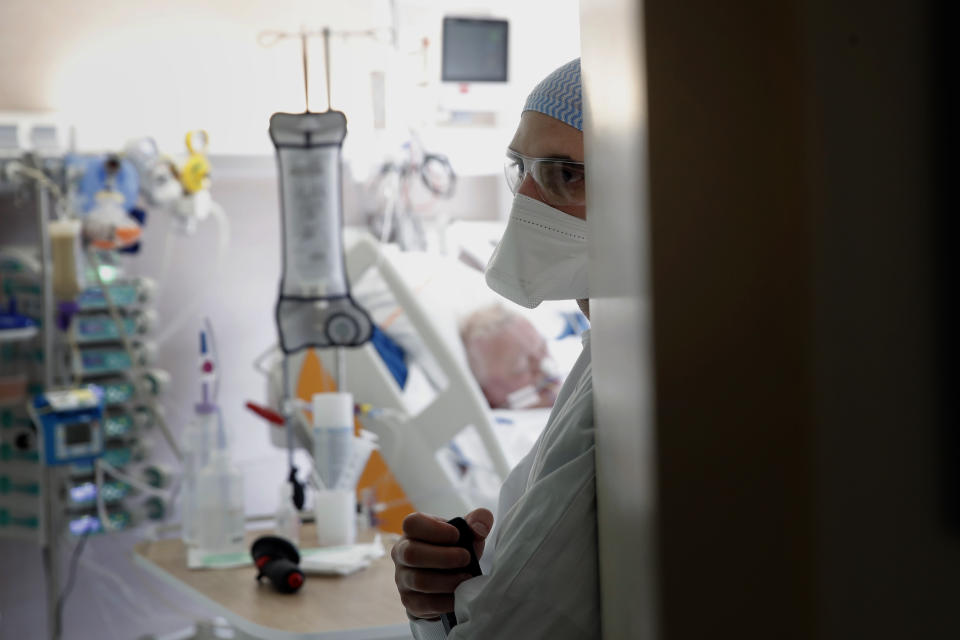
pixel 287 517
pixel 220 513
pixel 199 436
pixel 197 440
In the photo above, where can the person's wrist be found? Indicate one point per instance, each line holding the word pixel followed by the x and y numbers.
pixel 414 618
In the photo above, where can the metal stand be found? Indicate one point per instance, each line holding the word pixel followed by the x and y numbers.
pixel 269 38
pixel 341 365
pixel 50 476
pixel 51 479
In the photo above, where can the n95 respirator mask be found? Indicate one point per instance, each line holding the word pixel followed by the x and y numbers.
pixel 541 256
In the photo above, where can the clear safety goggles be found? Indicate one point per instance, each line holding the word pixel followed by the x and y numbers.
pixel 560 182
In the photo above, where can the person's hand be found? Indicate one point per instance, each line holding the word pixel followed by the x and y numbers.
pixel 427 566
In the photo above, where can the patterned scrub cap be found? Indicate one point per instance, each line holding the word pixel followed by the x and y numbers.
pixel 558 95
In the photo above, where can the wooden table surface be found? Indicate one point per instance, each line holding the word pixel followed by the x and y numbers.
pixel 324 605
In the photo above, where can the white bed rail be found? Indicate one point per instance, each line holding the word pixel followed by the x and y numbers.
pixel 412 450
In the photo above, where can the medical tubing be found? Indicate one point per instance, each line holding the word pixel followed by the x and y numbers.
pixel 224 239
pixel 215 356
pixel 99 467
pixel 77 378
pixel 168 435
pixel 258 365
pixel 340 359
pixel 288 409
pixel 175 487
pixel 101 505
pixel 123 587
pixel 133 482
pixel 165 259
pixel 41 178
pixel 128 346
pixel 389 213
pixel 93 565
pixel 223 243
pixel 445 167
pixel 68 588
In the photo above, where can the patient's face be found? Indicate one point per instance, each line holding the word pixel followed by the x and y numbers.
pixel 512 359
pixel 540 136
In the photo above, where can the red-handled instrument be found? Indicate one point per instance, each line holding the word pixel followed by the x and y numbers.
pixel 266 413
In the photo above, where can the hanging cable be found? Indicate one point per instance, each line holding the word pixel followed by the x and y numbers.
pixel 68 587
pixel 223 244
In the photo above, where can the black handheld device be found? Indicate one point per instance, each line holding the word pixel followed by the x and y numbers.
pixel 278 560
pixel 465 541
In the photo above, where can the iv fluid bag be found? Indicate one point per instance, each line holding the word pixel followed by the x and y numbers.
pixel 315 308
pixel 313 260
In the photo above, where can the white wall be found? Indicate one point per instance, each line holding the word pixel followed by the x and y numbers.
pixel 118 70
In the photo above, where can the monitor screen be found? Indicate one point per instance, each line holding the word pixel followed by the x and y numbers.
pixel 474 50
pixel 79 433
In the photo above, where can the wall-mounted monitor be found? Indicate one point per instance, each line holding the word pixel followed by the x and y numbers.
pixel 474 50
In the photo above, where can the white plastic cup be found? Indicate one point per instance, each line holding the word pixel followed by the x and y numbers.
pixel 336 517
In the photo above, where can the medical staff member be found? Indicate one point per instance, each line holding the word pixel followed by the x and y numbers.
pixel 542 580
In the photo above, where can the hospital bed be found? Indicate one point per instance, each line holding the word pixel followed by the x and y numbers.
pixel 447 449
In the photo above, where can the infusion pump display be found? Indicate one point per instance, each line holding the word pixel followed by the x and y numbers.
pixel 71 424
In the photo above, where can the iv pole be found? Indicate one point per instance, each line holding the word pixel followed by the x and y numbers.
pixel 52 476
pixel 289 408
pixel 269 38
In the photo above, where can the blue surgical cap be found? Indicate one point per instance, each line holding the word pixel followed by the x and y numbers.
pixel 558 95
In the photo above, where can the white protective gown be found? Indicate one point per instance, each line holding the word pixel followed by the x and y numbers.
pixel 543 582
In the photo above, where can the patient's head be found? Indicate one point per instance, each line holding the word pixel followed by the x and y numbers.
pixel 509 359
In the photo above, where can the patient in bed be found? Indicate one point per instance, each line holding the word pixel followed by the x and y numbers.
pixel 509 359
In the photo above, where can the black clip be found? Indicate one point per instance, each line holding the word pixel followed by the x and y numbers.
pixel 465 541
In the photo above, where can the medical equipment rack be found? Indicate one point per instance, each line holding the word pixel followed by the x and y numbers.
pixel 36 497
